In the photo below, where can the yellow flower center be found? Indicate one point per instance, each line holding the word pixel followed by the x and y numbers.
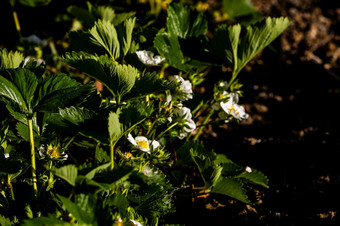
pixel 142 143
pixel 53 152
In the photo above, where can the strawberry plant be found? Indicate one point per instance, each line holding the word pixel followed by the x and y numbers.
pixel 118 153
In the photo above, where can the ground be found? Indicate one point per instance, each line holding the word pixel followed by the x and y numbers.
pixel 292 134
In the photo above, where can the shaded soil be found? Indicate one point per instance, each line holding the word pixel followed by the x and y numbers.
pixel 293 133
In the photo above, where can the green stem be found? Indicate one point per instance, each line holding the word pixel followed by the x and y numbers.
pixel 169 128
pixel 211 112
pixel 33 167
pixel 17 24
pixel 50 180
pixel 112 156
pixel 10 187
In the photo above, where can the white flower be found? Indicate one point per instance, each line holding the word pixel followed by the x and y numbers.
pixel 6 155
pixel 248 169
pixel 231 107
pixel 35 40
pixel 38 61
pixel 147 58
pixel 135 223
pixel 189 125
pixel 53 152
pixel 185 87
pixel 142 143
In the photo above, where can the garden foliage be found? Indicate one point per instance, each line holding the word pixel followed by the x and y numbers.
pixel 73 154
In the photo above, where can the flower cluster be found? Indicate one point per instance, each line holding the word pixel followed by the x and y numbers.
pixel 228 102
pixel 183 117
pixel 185 87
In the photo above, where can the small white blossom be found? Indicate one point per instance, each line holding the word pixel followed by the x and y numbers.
pixel 142 143
pixel 185 87
pixel 189 124
pixel 231 107
pixel 6 155
pixel 35 40
pixel 248 169
pixel 52 152
pixel 148 58
pixel 38 61
pixel 135 223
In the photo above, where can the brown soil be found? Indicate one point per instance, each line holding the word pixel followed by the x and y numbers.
pixel 293 132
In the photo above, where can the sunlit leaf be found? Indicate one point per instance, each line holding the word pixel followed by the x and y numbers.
pixel 10 59
pixel 255 177
pixel 18 86
pixel 34 3
pixel 185 22
pixel 168 46
pixel 44 221
pixel 119 79
pixel 232 188
pixel 104 34
pixel 124 30
pixel 149 83
pixel 225 43
pixel 238 8
pixel 68 173
pixel 84 216
pixel 258 36
pixel 114 126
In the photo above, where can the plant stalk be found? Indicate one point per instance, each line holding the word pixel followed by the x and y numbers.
pixel 211 112
pixel 33 166
pixel 17 24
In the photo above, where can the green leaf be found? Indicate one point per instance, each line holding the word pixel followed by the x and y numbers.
pixel 119 79
pixel 104 34
pixel 76 115
pixel 123 78
pixel 225 43
pixel 10 59
pixel 34 3
pixel 114 127
pixel 205 168
pixel 83 15
pixel 168 46
pixel 101 156
pixel 63 97
pixel 45 221
pixel 255 177
pixel 184 152
pixel 125 35
pixel 185 22
pixel 258 36
pixel 231 188
pixel 98 169
pixel 83 217
pixel 5 221
pixel 18 86
pixel 68 173
pixel 238 8
pixel 149 83
pixel 134 113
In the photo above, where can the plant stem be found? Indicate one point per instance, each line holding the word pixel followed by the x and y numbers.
pixel 169 128
pixel 10 187
pixel 112 156
pixel 211 112
pixel 33 167
pixel 17 24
